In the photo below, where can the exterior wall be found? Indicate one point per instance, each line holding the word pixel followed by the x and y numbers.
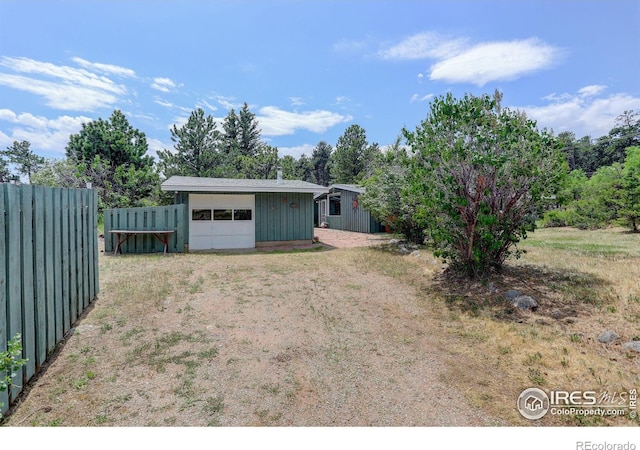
pixel 182 198
pixel 284 216
pixel 335 222
pixel 353 218
pixel 276 218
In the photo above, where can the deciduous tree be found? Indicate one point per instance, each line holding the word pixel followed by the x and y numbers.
pixel 482 172
pixel 389 195
pixel 630 185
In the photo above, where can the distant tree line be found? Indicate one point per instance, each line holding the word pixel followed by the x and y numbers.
pixel 603 184
pixel 471 180
pixel 113 157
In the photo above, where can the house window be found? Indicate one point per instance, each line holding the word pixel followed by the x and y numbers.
pixel 200 214
pixel 222 214
pixel 241 214
pixel 334 206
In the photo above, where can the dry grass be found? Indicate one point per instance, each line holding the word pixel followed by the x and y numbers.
pixel 362 336
pixel 252 339
pixel 585 283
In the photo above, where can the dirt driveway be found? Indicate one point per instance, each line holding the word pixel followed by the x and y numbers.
pixel 317 338
pixel 348 239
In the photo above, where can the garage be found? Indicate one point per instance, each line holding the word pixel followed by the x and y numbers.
pixel 230 213
pixel 219 221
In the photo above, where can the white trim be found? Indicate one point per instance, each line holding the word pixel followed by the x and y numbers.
pixel 348 187
pixel 227 185
pixel 194 188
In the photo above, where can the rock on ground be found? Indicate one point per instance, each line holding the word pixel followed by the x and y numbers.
pixel 608 336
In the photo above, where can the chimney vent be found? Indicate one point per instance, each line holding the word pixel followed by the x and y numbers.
pixel 279 175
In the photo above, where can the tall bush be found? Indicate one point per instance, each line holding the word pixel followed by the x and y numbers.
pixel 482 172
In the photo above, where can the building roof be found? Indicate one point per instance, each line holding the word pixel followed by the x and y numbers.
pixel 201 184
pixel 339 187
pixel 347 187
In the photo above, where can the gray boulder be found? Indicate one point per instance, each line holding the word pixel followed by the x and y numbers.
pixel 524 302
pixel 632 345
pixel 512 294
pixel 608 337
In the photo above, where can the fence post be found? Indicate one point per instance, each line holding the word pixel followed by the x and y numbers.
pixel 4 331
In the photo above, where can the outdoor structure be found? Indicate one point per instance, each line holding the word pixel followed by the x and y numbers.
pixel 340 208
pixel 224 213
pixel 49 266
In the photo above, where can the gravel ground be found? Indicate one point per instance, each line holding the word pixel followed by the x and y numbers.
pixel 260 339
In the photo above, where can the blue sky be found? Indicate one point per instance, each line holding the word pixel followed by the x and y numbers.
pixel 309 69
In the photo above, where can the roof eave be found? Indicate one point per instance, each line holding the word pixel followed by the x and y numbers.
pixel 194 188
pixel 346 187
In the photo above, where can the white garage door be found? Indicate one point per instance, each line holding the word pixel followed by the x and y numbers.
pixel 220 221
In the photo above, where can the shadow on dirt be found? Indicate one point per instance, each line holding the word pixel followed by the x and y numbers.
pixel 561 294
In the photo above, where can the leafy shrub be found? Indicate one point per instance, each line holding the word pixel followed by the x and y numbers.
pixel 10 362
pixel 481 172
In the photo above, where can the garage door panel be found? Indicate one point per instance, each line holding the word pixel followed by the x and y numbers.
pixel 221 221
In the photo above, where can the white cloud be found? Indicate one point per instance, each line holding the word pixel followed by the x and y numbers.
pixel 105 68
pixel 495 61
pixel 419 98
pixel 65 74
pixel 163 103
pixel 60 96
pixel 458 61
pixel 157 144
pixel 207 105
pixel 228 102
pixel 582 113
pixel 63 87
pixel 8 115
pixel 276 122
pixel 296 152
pixel 47 136
pixel 594 89
pixel 296 101
pixel 342 99
pixel 163 84
pixel 423 46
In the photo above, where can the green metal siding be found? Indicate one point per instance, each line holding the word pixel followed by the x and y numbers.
pixel 284 216
pixel 182 198
pixel 275 218
pixel 354 218
pixel 334 222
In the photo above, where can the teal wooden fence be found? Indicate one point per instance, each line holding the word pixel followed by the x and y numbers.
pixel 161 218
pixel 48 268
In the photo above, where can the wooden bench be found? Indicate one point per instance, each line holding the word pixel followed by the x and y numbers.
pixel 123 235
